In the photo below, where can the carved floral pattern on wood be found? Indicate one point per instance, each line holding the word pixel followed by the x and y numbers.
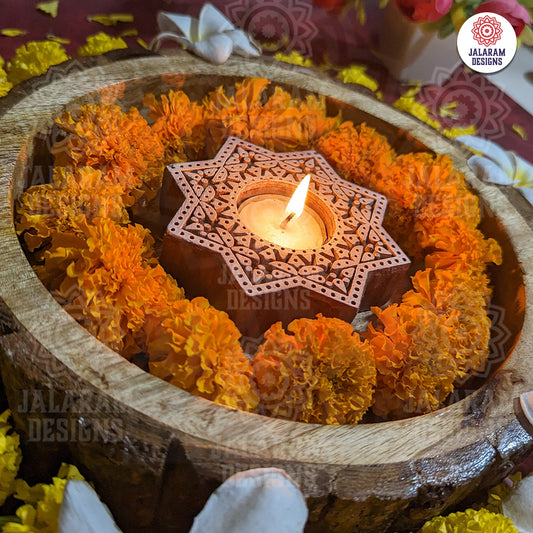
pixel 357 244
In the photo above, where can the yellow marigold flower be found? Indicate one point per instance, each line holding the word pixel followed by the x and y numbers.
pixel 82 191
pixel 5 86
pixel 469 521
pixel 121 145
pixel 322 374
pixel 501 492
pixel 357 74
pixel 294 58
pixel 100 43
pixel 196 347
pixel 10 457
pixel 33 59
pixel 40 514
pixel 179 123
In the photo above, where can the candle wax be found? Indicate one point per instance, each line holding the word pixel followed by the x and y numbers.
pixel 264 213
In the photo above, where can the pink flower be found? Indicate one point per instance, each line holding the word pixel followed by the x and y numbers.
pixel 334 6
pixel 424 10
pixel 515 13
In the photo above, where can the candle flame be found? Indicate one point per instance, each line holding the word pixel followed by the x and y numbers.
pixel 296 204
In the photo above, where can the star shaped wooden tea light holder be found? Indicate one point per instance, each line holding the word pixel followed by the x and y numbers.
pixel 238 239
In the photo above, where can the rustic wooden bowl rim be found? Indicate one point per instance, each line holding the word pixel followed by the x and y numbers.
pixel 439 432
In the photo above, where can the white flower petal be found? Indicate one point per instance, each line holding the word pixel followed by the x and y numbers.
pixel 526 403
pixel 169 36
pixel 262 500
pixel 211 22
pixel 83 512
pixel 243 44
pixel 487 170
pixel 488 149
pixel 170 22
pixel 519 506
pixel 216 48
pixel 524 171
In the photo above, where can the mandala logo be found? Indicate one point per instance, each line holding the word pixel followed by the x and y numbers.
pixel 487 30
pixel 276 24
pixel 486 42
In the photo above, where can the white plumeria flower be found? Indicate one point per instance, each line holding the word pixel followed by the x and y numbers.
pixel 83 512
pixel 499 166
pixel 211 36
pixel 519 506
pixel 261 500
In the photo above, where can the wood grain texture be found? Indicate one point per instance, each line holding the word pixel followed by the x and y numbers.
pixel 154 451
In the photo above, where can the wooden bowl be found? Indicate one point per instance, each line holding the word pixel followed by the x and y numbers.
pixel 155 452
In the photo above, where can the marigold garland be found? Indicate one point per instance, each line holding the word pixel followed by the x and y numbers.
pixel 99 267
pixel 422 346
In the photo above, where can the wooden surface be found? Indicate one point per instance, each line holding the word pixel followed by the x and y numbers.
pixel 156 452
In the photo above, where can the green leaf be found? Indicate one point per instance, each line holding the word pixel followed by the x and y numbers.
pixel 446 29
pixel 526 37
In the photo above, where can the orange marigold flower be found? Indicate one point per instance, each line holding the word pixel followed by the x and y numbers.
pixel 415 372
pixel 438 334
pixel 461 299
pixel 452 244
pixel 112 281
pixel 285 377
pixel 358 153
pixel 278 122
pixel 82 191
pixel 179 124
pixel 323 373
pixel 121 145
pixel 196 347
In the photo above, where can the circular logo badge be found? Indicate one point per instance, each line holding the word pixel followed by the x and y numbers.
pixel 486 42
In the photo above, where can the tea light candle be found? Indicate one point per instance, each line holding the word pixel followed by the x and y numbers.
pixel 283 221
